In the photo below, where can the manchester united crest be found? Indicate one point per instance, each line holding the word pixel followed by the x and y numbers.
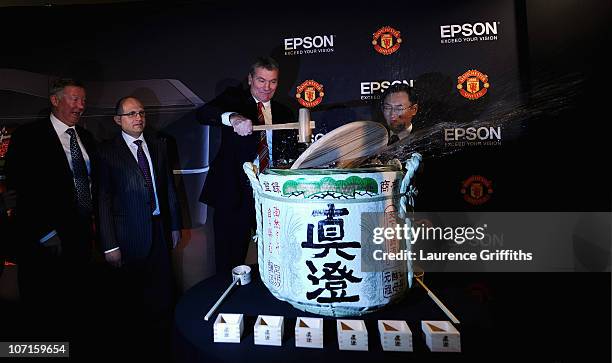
pixel 476 189
pixel 386 40
pixel 473 84
pixel 309 93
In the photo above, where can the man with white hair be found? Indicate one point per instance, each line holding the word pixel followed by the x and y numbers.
pixel 49 164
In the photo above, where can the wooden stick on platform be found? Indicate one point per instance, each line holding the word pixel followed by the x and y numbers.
pixel 438 302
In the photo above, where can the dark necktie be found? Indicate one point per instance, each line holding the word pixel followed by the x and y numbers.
pixel 262 146
pixel 79 172
pixel 143 163
pixel 393 139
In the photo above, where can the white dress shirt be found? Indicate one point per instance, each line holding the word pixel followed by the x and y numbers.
pixel 64 137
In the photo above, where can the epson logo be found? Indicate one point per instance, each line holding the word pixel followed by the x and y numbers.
pixel 318 41
pixel 468 30
pixel 468 33
pixel 370 88
pixel 473 134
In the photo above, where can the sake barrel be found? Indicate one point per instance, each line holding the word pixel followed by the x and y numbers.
pixel 310 237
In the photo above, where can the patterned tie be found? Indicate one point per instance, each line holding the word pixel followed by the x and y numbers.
pixel 79 173
pixel 262 146
pixel 143 163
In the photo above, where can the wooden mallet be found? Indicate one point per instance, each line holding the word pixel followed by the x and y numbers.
pixel 304 126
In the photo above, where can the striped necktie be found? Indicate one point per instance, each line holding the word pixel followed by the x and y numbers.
pixel 262 146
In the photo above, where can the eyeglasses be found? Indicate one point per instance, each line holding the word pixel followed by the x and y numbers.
pixel 397 109
pixel 133 114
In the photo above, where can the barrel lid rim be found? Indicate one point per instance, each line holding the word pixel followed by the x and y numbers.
pixel 290 172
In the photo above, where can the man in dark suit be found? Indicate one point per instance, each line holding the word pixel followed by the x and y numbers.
pixel 49 164
pixel 140 222
pixel 227 188
pixel 399 106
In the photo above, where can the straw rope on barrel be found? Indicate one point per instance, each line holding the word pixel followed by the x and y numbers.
pixel 251 171
pixel 408 192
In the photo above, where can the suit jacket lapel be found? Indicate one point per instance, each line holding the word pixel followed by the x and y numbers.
pixel 153 151
pixel 153 145
pixel 57 148
pixel 87 143
pixel 275 119
pixel 252 107
pixel 90 147
pixel 124 152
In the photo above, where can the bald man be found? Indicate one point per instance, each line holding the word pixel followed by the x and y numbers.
pixel 140 222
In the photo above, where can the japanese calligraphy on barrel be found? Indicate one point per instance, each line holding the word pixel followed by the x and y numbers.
pixel 310 238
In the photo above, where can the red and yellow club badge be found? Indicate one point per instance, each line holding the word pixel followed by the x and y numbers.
pixel 473 84
pixel 476 190
pixel 386 40
pixel 309 93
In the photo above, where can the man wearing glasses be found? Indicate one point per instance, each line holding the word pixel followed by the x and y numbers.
pixel 140 222
pixel 399 106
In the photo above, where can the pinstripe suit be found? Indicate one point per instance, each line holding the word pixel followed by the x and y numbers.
pixel 124 204
pixel 141 296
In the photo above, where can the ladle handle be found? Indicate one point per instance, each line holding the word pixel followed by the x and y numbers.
pixel 438 302
pixel 212 310
pixel 287 126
